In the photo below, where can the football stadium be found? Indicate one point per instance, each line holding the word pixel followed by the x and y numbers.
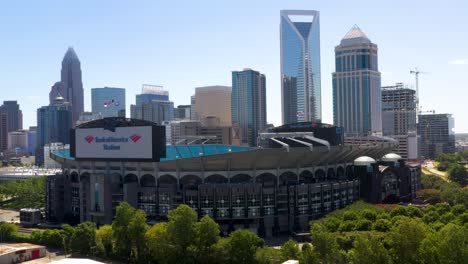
pixel 299 173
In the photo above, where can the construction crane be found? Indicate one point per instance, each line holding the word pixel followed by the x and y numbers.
pixel 416 73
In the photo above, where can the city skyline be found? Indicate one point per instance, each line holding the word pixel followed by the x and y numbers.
pixel 129 65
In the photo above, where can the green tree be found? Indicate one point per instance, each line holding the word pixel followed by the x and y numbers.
pixel 290 250
pixel 369 249
pixel 405 239
pixel 137 228
pixel 428 250
pixel 268 255
pixel 7 231
pixel 382 225
pixel 160 248
pixel 458 173
pixel 181 230
pixel 207 235
pixel 369 214
pixel 363 225
pixel 105 240
pixel 242 246
pixel 83 239
pixel 324 243
pixel 307 255
pixel 453 244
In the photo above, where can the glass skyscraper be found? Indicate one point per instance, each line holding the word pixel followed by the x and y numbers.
pixel 53 126
pixel 108 101
pixel 248 104
pixel 357 95
pixel 300 66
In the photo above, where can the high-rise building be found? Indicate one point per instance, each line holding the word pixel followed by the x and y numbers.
pixel 11 119
pixel 300 66
pixel 53 126
pixel 154 111
pixel 32 140
pixel 357 102
pixel 399 118
pixel 18 140
pixel 70 86
pixel 107 101
pixel 213 101
pixel 248 105
pixel 151 92
pixel 436 134
pixel 183 112
pixel 193 113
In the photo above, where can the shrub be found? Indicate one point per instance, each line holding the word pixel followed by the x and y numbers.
pixel 369 214
pixel 363 225
pixel 382 225
pixel 349 216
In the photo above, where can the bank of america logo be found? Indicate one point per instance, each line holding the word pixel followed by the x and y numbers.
pixel 89 139
pixel 135 138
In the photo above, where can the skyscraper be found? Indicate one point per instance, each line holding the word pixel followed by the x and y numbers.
pixel 357 105
pixel 213 101
pixel 53 126
pixel 248 104
pixel 437 135
pixel 151 92
pixel 300 66
pixel 155 111
pixel 11 119
pixel 107 101
pixel 70 86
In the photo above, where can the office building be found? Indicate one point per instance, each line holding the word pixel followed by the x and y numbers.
pixel 151 92
pixel 70 86
pixel 357 100
pixel 248 105
pixel 154 111
pixel 213 101
pixel 32 140
pixel 183 112
pixel 87 117
pixel 399 118
pixel 300 66
pixel 436 135
pixel 182 132
pixel 193 113
pixel 108 101
pixel 53 125
pixel 11 119
pixel 18 140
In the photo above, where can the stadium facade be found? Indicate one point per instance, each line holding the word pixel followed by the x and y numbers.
pixel 279 188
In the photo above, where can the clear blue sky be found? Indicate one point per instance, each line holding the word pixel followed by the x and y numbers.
pixel 185 44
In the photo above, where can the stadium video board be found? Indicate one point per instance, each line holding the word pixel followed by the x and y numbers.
pixel 134 143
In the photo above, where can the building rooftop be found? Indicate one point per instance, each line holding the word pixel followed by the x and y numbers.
pixel 355 36
pixel 182 151
pixel 8 248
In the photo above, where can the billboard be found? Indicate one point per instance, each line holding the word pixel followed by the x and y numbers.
pixel 135 143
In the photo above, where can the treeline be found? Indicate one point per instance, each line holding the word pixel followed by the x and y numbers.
pixel 450 163
pixel 360 233
pixel 30 193
pixel 436 190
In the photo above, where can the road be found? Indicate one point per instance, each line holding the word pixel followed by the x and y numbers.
pixel 429 166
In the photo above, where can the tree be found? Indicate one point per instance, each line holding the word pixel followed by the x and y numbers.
pixel 268 255
pixel 324 243
pixel 83 239
pixel 104 239
pixel 369 249
pixel 382 225
pixel 207 235
pixel 181 230
pixel 369 214
pixel 405 239
pixel 363 225
pixel 159 247
pixel 242 246
pixel 290 250
pixel 453 244
pixel 458 173
pixel 431 196
pixel 7 231
pixel 307 256
pixel 428 250
pixel 128 232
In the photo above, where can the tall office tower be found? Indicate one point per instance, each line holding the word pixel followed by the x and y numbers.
pixel 107 101
pixel 53 125
pixel 154 111
pixel 399 119
pixel 213 101
pixel 300 66
pixel 357 100
pixel 11 119
pixel 151 92
pixel 182 112
pixel 436 134
pixel 193 114
pixel 70 86
pixel 32 140
pixel 248 105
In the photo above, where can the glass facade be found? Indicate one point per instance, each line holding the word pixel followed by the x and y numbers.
pixel 154 111
pixel 248 104
pixel 300 66
pixel 146 98
pixel 357 105
pixel 107 101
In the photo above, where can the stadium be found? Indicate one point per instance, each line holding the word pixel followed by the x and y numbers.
pixel 299 173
